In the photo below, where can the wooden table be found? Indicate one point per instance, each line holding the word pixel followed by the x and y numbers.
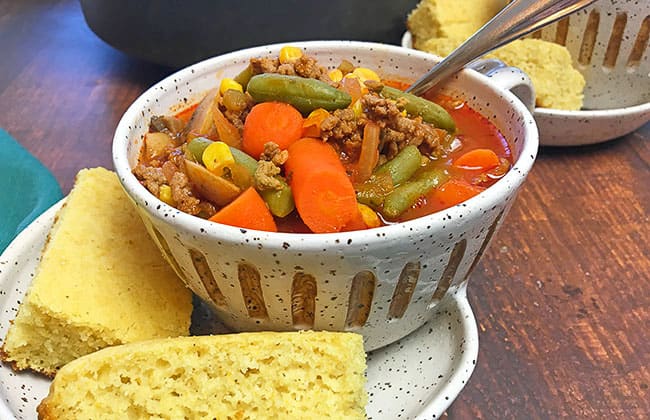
pixel 562 296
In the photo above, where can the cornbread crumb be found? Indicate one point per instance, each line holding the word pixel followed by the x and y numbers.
pixel 450 18
pixel 285 375
pixel 101 282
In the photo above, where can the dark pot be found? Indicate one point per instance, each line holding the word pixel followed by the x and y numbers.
pixel 177 33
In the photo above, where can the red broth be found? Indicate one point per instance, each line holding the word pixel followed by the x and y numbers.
pixel 477 132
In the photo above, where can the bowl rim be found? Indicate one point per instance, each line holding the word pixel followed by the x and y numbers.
pixel 484 201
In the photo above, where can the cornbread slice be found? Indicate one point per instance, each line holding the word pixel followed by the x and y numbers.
pixel 274 375
pixel 101 282
pixel 440 46
pixel 557 83
pixel 450 18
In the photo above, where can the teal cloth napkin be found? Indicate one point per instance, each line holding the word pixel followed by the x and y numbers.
pixel 27 189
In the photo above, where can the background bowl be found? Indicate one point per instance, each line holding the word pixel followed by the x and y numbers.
pixel 608 43
pixel 576 128
pixel 383 283
pixel 178 33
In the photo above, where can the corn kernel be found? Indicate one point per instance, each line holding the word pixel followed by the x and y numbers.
pixel 369 216
pixel 317 115
pixel 228 84
pixel 357 108
pixel 289 54
pixel 335 75
pixel 311 124
pixel 365 74
pixel 315 118
pixel 165 194
pixel 217 156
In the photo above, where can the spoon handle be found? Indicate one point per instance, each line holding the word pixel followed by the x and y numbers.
pixel 517 19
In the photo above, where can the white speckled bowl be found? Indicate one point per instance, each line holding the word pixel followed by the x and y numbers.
pixel 603 40
pixel 383 283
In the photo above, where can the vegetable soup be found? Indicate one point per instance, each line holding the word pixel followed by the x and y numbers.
pixel 288 145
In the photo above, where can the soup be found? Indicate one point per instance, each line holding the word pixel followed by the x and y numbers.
pixel 290 146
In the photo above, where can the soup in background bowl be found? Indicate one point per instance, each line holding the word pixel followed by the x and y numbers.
pixel 382 282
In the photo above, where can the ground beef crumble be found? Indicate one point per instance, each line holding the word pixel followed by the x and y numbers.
pixel 274 154
pixel 344 131
pixel 398 131
pixel 152 178
pixel 269 167
pixel 265 176
pixel 170 174
pixel 182 194
pixel 304 66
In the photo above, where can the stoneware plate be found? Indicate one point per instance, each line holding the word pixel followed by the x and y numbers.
pixel 417 377
pixel 576 128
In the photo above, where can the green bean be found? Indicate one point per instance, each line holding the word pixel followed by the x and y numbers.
pixel 346 67
pixel 244 76
pixel 415 105
pixel 280 201
pixel 244 160
pixel 394 172
pixel 234 100
pixel 403 165
pixel 373 191
pixel 196 147
pixel 404 196
pixel 304 94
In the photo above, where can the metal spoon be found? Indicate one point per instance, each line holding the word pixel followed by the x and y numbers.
pixel 517 19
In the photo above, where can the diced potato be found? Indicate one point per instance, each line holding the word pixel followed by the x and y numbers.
pixel 214 188
pixel 157 145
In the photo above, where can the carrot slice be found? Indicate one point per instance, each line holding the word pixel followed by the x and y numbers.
pixel 356 223
pixel 478 159
pixel 455 191
pixel 248 211
pixel 322 191
pixel 186 114
pixel 271 121
pixel 359 222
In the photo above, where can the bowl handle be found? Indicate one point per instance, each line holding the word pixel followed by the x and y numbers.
pixel 509 78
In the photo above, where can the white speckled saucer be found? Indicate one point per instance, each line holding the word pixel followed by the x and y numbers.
pixel 417 377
